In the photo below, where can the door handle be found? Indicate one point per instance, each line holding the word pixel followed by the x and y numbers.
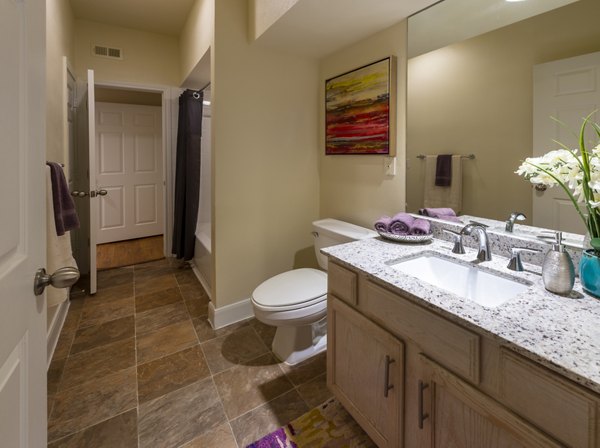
pixel 62 278
pixel 100 192
pixel 79 194
pixel 386 381
pixel 540 187
pixel 422 416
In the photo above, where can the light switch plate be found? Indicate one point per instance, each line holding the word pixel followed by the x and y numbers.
pixel 389 164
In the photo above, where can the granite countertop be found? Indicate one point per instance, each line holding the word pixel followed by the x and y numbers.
pixel 562 333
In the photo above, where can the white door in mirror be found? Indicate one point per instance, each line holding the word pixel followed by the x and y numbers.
pixel 568 90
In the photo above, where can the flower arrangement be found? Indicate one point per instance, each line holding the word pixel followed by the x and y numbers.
pixel 577 171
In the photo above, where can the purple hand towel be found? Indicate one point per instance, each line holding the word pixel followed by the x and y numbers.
pixel 65 216
pixel 420 227
pixel 443 170
pixel 383 224
pixel 452 218
pixel 401 223
pixel 435 212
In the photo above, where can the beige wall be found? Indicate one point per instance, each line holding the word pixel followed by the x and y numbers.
pixel 265 178
pixel 477 97
pixel 196 36
pixel 264 13
pixel 59 35
pixel 148 58
pixel 355 188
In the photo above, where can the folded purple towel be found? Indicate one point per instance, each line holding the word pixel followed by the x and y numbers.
pixel 401 224
pixel 65 216
pixel 435 212
pixel 452 218
pixel 420 227
pixel 383 224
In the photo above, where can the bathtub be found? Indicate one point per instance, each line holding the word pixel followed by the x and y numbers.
pixel 203 256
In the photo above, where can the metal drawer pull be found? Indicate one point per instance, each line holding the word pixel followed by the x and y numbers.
pixel 386 382
pixel 422 416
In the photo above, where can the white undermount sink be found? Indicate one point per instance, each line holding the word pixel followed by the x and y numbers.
pixel 466 281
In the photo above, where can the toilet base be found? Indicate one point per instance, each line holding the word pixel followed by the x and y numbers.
pixel 292 345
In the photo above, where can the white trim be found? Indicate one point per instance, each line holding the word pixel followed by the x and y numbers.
pixel 201 278
pixel 55 327
pixel 229 314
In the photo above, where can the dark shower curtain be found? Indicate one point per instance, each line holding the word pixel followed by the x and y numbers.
pixel 187 174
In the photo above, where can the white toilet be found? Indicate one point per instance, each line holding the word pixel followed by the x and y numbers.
pixel 296 301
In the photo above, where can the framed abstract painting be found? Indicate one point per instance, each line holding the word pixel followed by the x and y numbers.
pixel 360 110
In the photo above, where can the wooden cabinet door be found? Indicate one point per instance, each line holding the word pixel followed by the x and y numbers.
pixel 452 413
pixel 365 371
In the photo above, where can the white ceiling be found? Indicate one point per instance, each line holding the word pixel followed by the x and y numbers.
pixel 320 27
pixel 157 16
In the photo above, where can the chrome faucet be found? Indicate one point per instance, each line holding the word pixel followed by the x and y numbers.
pixel 514 216
pixel 485 252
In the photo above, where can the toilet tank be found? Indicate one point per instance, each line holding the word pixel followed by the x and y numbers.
pixel 330 232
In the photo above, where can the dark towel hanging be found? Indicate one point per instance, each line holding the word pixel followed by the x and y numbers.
pixel 443 170
pixel 65 215
pixel 187 174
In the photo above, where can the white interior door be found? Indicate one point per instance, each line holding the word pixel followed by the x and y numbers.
pixel 129 168
pixel 91 137
pixel 23 223
pixel 568 89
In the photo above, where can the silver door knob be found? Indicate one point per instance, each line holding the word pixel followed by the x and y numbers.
pixel 79 194
pixel 540 187
pixel 100 192
pixel 62 278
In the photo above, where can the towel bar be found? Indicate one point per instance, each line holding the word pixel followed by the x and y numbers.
pixel 468 156
pixel 61 164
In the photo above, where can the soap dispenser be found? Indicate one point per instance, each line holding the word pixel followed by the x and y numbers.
pixel 558 271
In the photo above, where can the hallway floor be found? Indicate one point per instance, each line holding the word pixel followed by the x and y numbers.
pixel 138 365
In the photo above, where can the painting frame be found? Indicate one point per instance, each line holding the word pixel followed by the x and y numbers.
pixel 360 110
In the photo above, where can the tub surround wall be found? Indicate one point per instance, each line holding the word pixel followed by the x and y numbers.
pixel 356 188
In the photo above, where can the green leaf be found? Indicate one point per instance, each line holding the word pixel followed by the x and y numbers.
pixel 595 242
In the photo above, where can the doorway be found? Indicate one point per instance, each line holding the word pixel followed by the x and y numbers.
pixel 130 173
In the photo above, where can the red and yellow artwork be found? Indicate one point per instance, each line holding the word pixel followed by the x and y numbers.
pixel 357 111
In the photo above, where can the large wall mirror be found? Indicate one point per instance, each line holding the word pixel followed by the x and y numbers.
pixel 475 95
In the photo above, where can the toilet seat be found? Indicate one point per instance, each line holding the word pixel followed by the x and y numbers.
pixel 291 290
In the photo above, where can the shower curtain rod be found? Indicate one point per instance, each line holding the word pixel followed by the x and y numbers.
pixel 196 94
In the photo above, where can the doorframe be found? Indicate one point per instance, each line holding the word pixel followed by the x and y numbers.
pixel 169 112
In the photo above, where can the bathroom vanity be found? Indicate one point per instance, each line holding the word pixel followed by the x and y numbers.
pixel 418 366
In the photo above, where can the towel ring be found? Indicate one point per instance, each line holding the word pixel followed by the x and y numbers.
pixel 196 95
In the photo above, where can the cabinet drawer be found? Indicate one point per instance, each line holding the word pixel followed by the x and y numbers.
pixel 449 344
pixel 341 282
pixel 554 404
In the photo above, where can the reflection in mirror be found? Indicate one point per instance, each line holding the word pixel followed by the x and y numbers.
pixel 477 96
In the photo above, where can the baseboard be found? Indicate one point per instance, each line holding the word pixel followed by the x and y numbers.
pixel 229 314
pixel 53 332
pixel 201 279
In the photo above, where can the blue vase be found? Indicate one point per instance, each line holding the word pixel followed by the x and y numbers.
pixel 589 272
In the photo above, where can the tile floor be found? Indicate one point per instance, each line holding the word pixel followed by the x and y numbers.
pixel 138 365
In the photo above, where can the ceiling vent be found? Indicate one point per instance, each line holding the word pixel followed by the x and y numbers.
pixel 107 52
